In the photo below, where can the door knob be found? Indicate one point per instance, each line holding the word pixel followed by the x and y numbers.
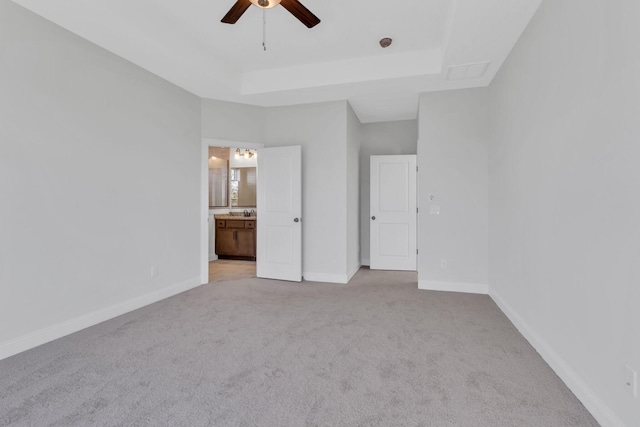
pixel 373 218
pixel 296 220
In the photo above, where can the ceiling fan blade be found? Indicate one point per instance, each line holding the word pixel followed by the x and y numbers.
pixel 302 13
pixel 236 11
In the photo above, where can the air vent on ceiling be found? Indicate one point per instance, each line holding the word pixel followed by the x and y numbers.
pixel 467 71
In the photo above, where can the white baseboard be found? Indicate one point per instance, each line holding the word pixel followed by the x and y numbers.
pixel 365 261
pixel 330 278
pixel 327 278
pixel 42 336
pixel 468 288
pixel 583 392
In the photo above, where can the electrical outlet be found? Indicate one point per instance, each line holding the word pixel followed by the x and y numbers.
pixel 631 380
pixel 154 271
pixel 443 264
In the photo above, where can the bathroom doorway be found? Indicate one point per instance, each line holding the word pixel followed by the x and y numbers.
pixel 228 181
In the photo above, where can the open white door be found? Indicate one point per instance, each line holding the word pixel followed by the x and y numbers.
pixel 393 213
pixel 279 245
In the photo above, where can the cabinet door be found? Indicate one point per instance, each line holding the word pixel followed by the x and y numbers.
pixel 246 243
pixel 225 242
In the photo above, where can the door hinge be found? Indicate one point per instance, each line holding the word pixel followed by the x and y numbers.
pixel 417 211
pixel 416 169
pixel 416 252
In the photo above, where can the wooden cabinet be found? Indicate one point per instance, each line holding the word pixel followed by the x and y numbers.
pixel 236 238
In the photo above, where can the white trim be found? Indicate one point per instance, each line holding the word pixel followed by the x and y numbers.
pixel 204 211
pixel 468 288
pixel 365 261
pixel 326 278
pixel 600 411
pixel 34 339
pixel 212 142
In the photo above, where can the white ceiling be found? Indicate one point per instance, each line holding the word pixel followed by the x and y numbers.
pixel 185 43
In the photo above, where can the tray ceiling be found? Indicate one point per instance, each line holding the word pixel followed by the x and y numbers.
pixel 185 43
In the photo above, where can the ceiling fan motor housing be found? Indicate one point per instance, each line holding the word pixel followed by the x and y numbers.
pixel 263 4
pixel 296 8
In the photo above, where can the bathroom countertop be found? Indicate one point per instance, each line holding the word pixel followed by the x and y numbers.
pixel 236 217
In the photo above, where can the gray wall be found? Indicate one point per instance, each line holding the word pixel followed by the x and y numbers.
pixel 321 130
pixel 329 134
pixel 386 138
pixel 99 181
pixel 232 121
pixel 452 154
pixel 564 206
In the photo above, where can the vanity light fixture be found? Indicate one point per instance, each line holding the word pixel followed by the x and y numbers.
pixel 244 152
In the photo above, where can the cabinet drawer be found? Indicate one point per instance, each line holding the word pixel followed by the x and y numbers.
pixel 249 224
pixel 234 223
pixel 220 223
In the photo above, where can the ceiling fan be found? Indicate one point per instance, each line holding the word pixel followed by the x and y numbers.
pixel 296 8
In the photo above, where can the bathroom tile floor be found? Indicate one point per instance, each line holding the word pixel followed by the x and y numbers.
pixel 227 269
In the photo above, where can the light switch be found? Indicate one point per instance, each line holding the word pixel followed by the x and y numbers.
pixel 435 210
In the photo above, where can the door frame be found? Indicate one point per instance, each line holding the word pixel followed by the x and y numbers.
pixel 204 196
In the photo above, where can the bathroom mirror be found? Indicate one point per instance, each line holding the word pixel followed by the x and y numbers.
pixel 218 177
pixel 243 187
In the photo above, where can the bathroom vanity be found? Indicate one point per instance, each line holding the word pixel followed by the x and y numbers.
pixel 236 236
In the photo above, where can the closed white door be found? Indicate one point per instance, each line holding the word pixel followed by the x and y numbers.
pixel 279 244
pixel 393 213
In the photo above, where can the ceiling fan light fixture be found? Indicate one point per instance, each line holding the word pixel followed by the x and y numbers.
pixel 265 4
pixel 294 7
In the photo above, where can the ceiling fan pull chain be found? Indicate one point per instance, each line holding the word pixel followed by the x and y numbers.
pixel 264 29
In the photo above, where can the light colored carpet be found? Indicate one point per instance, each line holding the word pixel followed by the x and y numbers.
pixel 250 352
